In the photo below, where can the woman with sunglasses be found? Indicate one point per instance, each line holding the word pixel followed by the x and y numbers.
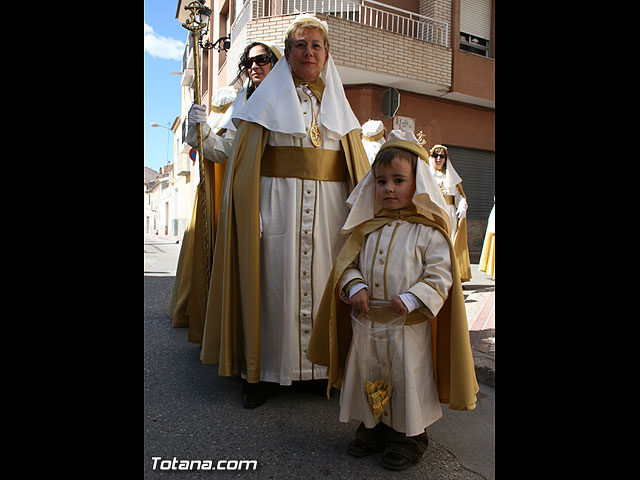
pixel 189 298
pixel 450 185
pixel 256 62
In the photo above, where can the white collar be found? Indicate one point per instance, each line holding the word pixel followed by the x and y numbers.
pixel 451 177
pixel 275 104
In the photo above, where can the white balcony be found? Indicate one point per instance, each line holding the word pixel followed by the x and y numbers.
pixel 366 12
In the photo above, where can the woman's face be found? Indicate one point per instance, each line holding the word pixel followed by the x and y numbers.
pixel 439 157
pixel 258 65
pixel 308 54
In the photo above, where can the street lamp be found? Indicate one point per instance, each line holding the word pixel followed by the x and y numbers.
pixel 200 19
pixel 156 125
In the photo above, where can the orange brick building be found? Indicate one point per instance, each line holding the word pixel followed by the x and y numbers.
pixel 439 55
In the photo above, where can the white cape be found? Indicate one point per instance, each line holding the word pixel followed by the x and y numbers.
pixel 277 94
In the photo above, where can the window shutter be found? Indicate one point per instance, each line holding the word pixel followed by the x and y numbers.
pixel 475 18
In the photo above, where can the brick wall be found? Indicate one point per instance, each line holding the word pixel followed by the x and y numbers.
pixel 438 10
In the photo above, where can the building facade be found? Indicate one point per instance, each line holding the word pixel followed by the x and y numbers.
pixel 169 193
pixel 422 65
pixel 157 201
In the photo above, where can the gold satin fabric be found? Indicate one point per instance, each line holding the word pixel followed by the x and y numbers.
pixel 461 247
pixel 188 301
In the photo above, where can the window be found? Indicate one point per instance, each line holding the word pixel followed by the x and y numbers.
pixel 473 44
pixel 475 26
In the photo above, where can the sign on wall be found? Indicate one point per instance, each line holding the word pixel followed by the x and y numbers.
pixel 406 124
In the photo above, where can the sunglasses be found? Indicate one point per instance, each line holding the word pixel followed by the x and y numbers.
pixel 260 60
pixel 441 155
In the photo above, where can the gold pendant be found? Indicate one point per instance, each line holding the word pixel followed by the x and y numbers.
pixel 316 136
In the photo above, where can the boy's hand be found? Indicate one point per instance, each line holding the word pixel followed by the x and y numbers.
pixel 398 306
pixel 360 301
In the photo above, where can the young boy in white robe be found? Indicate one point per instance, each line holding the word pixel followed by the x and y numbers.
pixel 399 251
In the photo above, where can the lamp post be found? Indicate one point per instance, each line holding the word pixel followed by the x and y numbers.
pixel 156 125
pixel 197 24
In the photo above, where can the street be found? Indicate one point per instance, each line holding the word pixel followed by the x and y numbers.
pixel 194 420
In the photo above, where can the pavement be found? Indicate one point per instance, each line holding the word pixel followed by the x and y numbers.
pixel 479 299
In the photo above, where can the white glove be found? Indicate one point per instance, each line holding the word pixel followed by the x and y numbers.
pixel 197 114
pixel 462 209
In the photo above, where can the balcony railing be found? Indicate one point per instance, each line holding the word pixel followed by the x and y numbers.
pixel 366 12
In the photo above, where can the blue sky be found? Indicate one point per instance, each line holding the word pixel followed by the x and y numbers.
pixel 164 40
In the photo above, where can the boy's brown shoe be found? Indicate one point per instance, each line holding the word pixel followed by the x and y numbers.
pixel 358 448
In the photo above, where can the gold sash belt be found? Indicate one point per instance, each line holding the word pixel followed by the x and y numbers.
pixel 415 317
pixel 305 163
pixel 449 199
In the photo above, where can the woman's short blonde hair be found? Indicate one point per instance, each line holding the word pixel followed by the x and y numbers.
pixel 304 24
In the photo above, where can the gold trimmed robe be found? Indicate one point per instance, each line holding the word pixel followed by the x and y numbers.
pixel 453 361
pixel 234 319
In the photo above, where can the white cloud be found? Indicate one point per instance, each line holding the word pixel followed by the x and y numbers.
pixel 162 47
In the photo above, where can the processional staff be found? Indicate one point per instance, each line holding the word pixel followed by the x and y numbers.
pixel 197 24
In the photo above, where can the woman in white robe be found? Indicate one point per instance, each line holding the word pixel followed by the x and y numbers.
pixel 450 185
pixel 297 154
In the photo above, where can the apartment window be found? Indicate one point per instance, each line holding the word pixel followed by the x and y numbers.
pixel 473 44
pixel 204 65
pixel 224 18
pixel 475 26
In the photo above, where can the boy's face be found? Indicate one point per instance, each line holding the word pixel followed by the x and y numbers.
pixel 395 184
